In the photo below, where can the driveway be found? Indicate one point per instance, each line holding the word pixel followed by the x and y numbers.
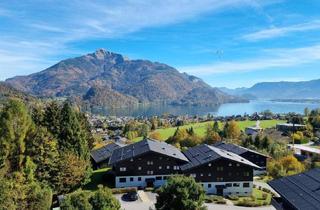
pixel 147 199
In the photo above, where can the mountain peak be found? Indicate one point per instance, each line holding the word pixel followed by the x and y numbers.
pixel 103 54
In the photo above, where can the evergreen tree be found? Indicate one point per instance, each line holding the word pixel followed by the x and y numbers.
pixel 216 127
pixel 72 136
pixel 42 148
pixel 257 141
pixel 15 124
pixel 51 118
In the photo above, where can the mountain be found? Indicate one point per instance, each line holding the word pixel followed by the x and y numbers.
pixel 6 92
pixel 109 79
pixel 281 90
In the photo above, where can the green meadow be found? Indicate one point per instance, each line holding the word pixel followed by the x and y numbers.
pixel 200 128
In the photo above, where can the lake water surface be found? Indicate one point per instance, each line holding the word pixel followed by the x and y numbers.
pixel 223 110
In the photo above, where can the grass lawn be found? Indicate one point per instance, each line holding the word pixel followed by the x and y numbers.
pixel 258 198
pixel 98 178
pixel 200 128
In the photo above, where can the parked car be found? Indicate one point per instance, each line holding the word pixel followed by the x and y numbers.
pixel 130 196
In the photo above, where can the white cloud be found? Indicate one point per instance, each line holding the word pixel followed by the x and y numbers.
pixel 281 31
pixel 273 58
pixel 45 29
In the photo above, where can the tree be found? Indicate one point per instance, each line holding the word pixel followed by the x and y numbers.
pixel 257 141
pixel 51 118
pixel 15 124
pixel 216 127
pixel 232 130
pixel 72 137
pixel 265 142
pixel 42 147
pixel 102 199
pixel 213 137
pixel 284 166
pixel 181 192
pixel 73 172
pixel 306 112
pixel 155 135
pixel 78 200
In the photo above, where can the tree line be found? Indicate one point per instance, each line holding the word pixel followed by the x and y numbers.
pixel 44 151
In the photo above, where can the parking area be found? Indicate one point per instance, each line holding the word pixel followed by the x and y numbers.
pixel 147 199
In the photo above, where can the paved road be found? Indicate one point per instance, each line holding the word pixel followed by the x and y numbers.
pixel 148 199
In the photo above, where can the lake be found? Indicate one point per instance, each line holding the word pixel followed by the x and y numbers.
pixel 223 110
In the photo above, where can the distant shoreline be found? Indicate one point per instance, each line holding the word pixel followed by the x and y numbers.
pixel 313 101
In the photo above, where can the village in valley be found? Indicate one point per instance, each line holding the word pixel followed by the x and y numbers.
pixel 233 170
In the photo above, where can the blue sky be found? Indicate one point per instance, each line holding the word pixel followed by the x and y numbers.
pixel 232 43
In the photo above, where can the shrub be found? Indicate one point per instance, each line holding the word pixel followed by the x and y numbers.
pixel 248 203
pixel 124 190
pixel 233 197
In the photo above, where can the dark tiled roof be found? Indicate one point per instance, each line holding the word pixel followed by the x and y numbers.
pixel 202 154
pixel 301 190
pixel 239 150
pixel 145 146
pixel 103 153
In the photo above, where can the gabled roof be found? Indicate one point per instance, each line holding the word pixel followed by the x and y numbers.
pixel 301 190
pixel 204 153
pixel 103 153
pixel 239 150
pixel 144 146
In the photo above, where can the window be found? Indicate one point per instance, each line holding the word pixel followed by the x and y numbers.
pixel 220 168
pixel 131 159
pixel 149 172
pixel 238 164
pixel 122 180
pixel 193 175
pixel 160 167
pixel 168 167
pixel 201 174
pixel 165 178
pixel 228 185
pixel 160 158
pixel 230 164
pixel 229 174
pixel 139 168
pixel 236 184
pixel 246 184
pixel 139 178
pixel 159 178
pixel 209 164
pixel 220 179
pixel 246 173
pixel 131 179
pixel 209 174
pixel 209 185
pixel 123 168
pixel 150 163
pixel 175 167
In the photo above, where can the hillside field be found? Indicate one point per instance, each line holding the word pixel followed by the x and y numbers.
pixel 200 128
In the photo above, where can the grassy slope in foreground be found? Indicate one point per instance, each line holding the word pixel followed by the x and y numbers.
pixel 200 128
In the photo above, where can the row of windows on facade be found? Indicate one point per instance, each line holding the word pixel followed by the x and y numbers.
pixel 229 174
pixel 220 168
pixel 160 167
pixel 244 185
pixel 131 179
